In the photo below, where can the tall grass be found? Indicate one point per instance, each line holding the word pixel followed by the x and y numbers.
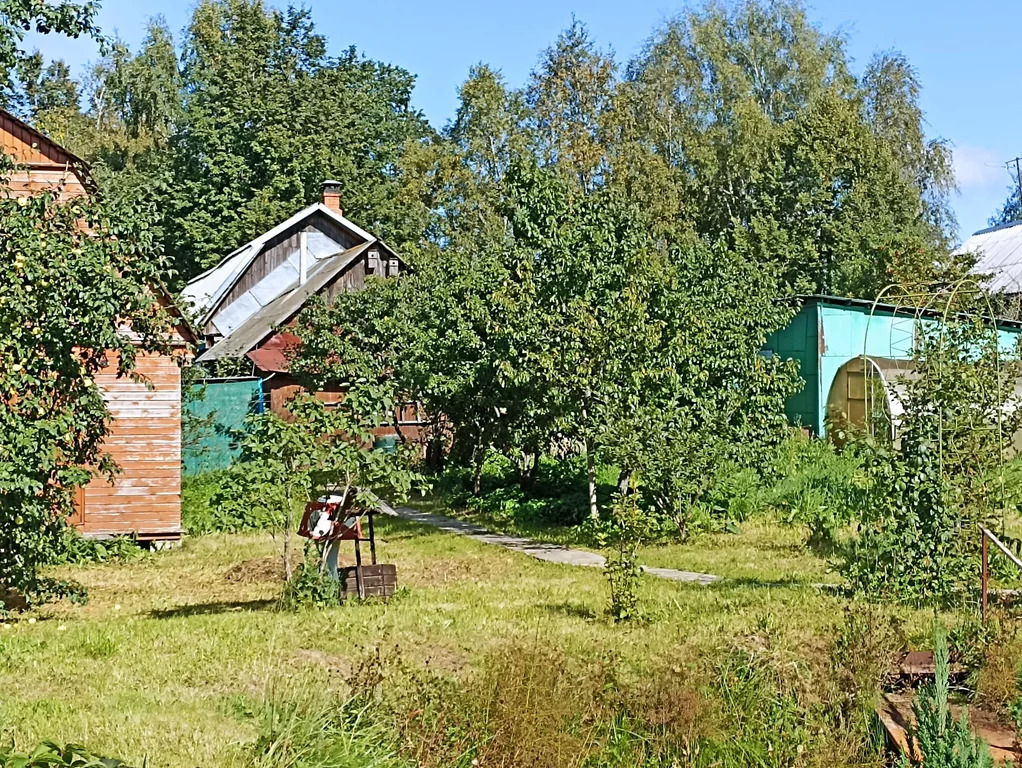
pixel 310 731
pixel 532 706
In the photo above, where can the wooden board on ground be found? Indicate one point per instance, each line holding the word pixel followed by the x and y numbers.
pixel 896 716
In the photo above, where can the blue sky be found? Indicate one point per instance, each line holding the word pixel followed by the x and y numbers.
pixel 967 56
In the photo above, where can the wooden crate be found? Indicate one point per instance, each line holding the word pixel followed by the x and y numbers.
pixel 378 580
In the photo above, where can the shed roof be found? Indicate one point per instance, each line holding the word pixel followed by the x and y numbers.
pixel 1000 256
pixel 887 308
pixel 206 291
pixel 262 324
pixel 275 355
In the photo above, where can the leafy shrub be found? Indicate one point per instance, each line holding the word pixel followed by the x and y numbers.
pixel 75 549
pixel 214 502
pixel 625 533
pixel 52 755
pixel 310 586
pixel 805 481
pixel 512 504
pixel 815 486
pixel 455 482
pixel 914 542
pixel 557 495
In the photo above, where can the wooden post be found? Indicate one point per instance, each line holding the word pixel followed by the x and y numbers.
pixel 985 577
pixel 372 538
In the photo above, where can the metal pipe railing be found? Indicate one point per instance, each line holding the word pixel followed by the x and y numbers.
pixel 989 536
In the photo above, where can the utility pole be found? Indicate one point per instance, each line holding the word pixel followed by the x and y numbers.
pixel 1018 177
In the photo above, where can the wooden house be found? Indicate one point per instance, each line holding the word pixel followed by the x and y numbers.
pixel 144 500
pixel 243 302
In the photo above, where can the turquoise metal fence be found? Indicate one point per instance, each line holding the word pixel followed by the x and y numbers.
pixel 214 419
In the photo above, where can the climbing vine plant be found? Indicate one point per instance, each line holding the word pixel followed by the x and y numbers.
pixel 943 476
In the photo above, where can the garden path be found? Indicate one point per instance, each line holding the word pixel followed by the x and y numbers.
pixel 551 553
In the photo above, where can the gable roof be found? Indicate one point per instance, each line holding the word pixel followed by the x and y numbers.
pixel 207 291
pixel 279 311
pixel 31 147
pixel 1000 256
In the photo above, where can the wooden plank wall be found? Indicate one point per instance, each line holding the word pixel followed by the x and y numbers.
pixel 48 166
pixel 63 182
pixel 352 279
pixel 145 441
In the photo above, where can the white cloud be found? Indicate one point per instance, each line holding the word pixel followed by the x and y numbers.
pixel 979 168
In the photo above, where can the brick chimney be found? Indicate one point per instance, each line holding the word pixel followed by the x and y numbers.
pixel 332 195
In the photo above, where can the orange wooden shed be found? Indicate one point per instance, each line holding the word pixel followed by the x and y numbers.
pixel 144 499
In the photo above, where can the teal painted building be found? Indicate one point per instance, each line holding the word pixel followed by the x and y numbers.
pixel 829 337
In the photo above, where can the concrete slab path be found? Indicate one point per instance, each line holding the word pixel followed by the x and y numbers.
pixel 551 553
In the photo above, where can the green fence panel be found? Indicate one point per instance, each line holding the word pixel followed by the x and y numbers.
pixel 214 419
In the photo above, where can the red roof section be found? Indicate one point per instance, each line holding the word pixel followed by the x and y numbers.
pixel 275 355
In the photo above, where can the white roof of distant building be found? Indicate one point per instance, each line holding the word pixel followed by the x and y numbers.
pixel 1000 256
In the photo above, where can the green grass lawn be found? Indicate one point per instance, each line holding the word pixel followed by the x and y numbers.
pixel 763 550
pixel 176 655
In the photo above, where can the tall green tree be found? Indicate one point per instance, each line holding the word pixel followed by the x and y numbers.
pixel 570 94
pixel 891 91
pixel 626 348
pixel 750 117
pixel 64 17
pixel 48 87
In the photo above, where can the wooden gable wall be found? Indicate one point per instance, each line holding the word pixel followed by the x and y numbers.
pixel 275 253
pixel 42 164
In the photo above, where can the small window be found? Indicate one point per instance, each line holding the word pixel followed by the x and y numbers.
pixel 374 262
pixel 392 268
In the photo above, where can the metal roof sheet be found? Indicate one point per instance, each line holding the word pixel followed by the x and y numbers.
pixel 261 324
pixel 904 310
pixel 1000 256
pixel 205 291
